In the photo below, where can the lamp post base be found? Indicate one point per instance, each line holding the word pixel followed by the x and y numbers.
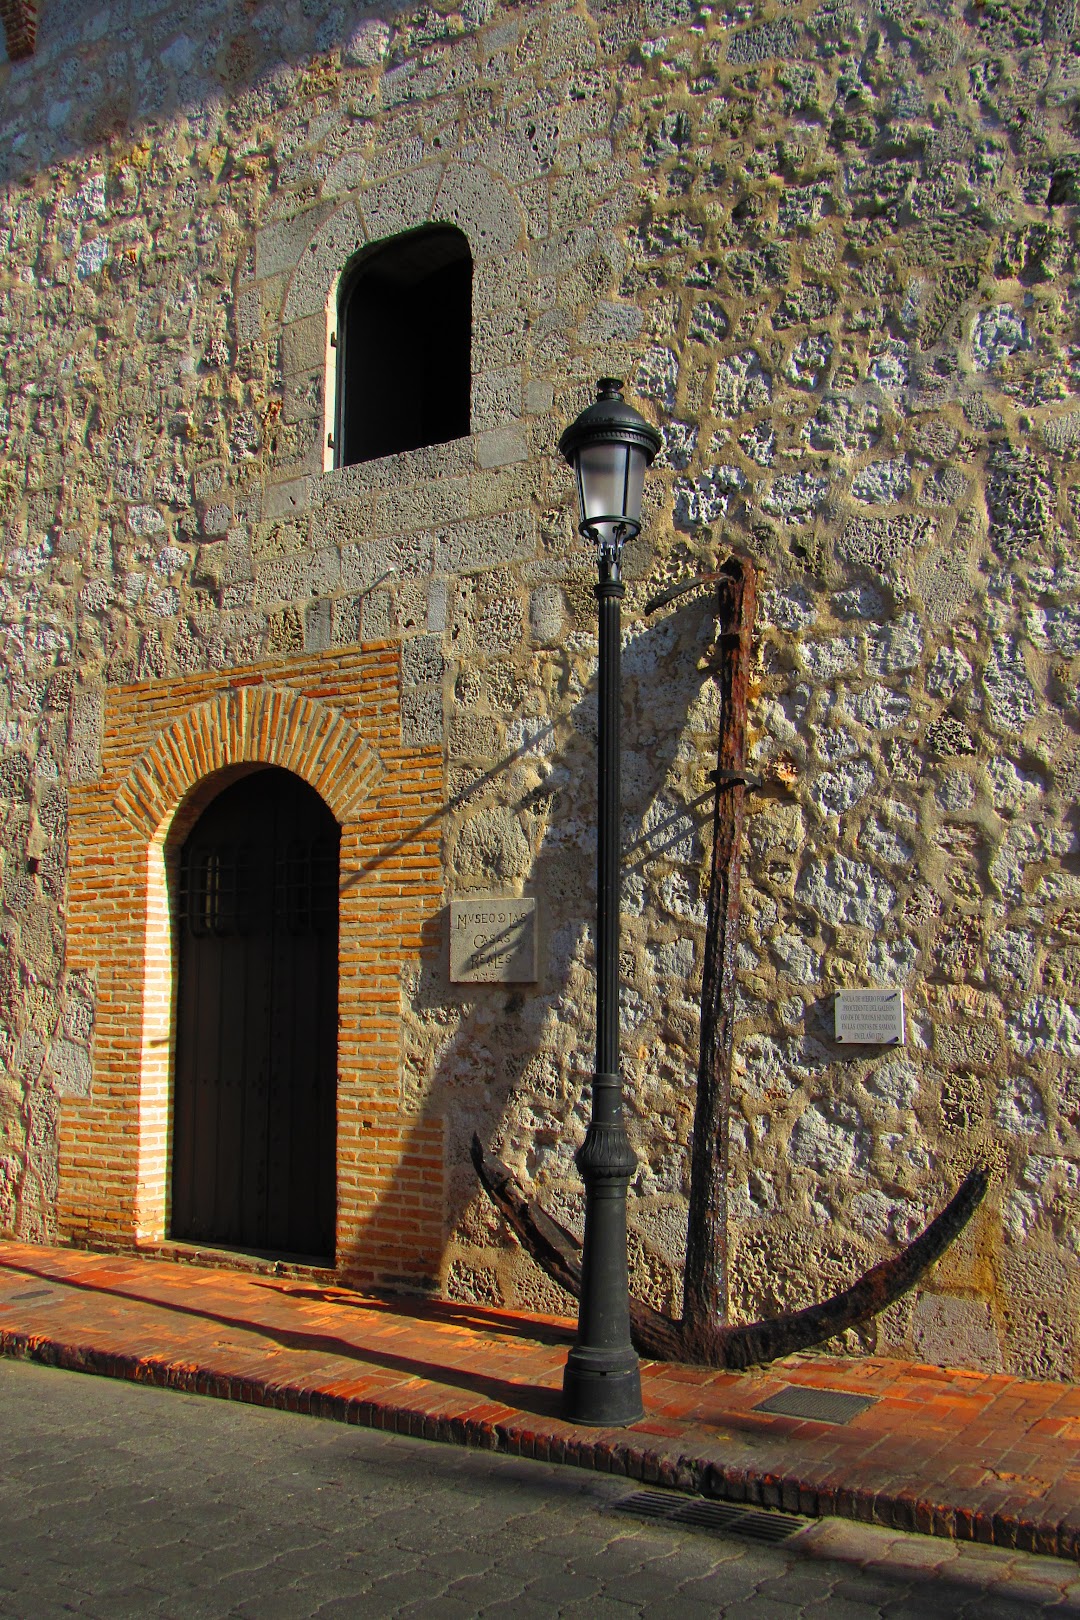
pixel 602 1391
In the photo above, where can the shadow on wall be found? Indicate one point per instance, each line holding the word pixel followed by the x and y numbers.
pixel 513 1062
pixel 102 77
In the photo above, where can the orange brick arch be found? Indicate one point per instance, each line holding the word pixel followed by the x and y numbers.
pixel 168 748
pixel 244 725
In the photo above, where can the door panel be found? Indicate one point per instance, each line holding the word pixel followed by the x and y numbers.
pixel 256 1051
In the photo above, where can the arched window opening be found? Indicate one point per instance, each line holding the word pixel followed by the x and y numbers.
pixel 404 346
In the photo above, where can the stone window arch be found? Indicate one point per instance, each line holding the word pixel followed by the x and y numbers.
pixel 318 250
pixel 403 341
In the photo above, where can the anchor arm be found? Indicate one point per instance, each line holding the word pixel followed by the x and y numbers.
pixel 661 1338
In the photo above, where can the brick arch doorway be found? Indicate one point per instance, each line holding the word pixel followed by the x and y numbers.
pixel 254 1107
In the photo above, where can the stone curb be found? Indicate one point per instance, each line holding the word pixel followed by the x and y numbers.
pixel 893 1506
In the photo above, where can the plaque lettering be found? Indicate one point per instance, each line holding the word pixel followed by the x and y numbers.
pixel 869 1017
pixel 493 941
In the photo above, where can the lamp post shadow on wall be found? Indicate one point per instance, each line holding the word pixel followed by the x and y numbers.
pixel 609 447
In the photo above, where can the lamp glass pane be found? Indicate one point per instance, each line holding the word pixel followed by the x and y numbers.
pixel 635 483
pixel 602 481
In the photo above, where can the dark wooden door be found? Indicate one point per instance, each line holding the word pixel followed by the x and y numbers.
pixel 254 1129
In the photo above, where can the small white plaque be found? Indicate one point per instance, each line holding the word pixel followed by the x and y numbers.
pixel 492 941
pixel 870 1017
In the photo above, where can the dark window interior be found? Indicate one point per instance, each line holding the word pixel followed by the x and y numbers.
pixel 404 346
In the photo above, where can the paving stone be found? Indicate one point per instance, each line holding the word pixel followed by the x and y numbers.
pixel 940 1608
pixel 729 1585
pixel 760 1608
pixel 501 1581
pixel 806 1585
pixel 837 1608
pixel 556 1589
pixel 866 1588
pixel 1022 1591
pixel 648 1586
pixel 522 1608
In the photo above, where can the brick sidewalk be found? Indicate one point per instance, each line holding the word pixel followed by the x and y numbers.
pixel 978 1456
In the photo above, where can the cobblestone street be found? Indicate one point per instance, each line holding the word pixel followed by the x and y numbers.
pixel 121 1501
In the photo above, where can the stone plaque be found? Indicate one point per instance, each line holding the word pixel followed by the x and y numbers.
pixel 492 941
pixel 870 1017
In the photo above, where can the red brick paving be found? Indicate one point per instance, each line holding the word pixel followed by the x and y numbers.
pixel 979 1456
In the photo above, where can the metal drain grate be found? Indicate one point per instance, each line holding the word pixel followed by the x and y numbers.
pixel 820 1405
pixel 753 1523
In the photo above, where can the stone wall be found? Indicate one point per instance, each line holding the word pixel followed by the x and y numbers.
pixel 833 250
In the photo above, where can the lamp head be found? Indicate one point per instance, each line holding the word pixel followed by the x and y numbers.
pixel 609 447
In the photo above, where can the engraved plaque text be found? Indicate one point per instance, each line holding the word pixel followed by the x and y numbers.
pixel 493 941
pixel 870 1017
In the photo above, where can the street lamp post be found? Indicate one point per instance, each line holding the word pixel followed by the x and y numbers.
pixel 609 447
